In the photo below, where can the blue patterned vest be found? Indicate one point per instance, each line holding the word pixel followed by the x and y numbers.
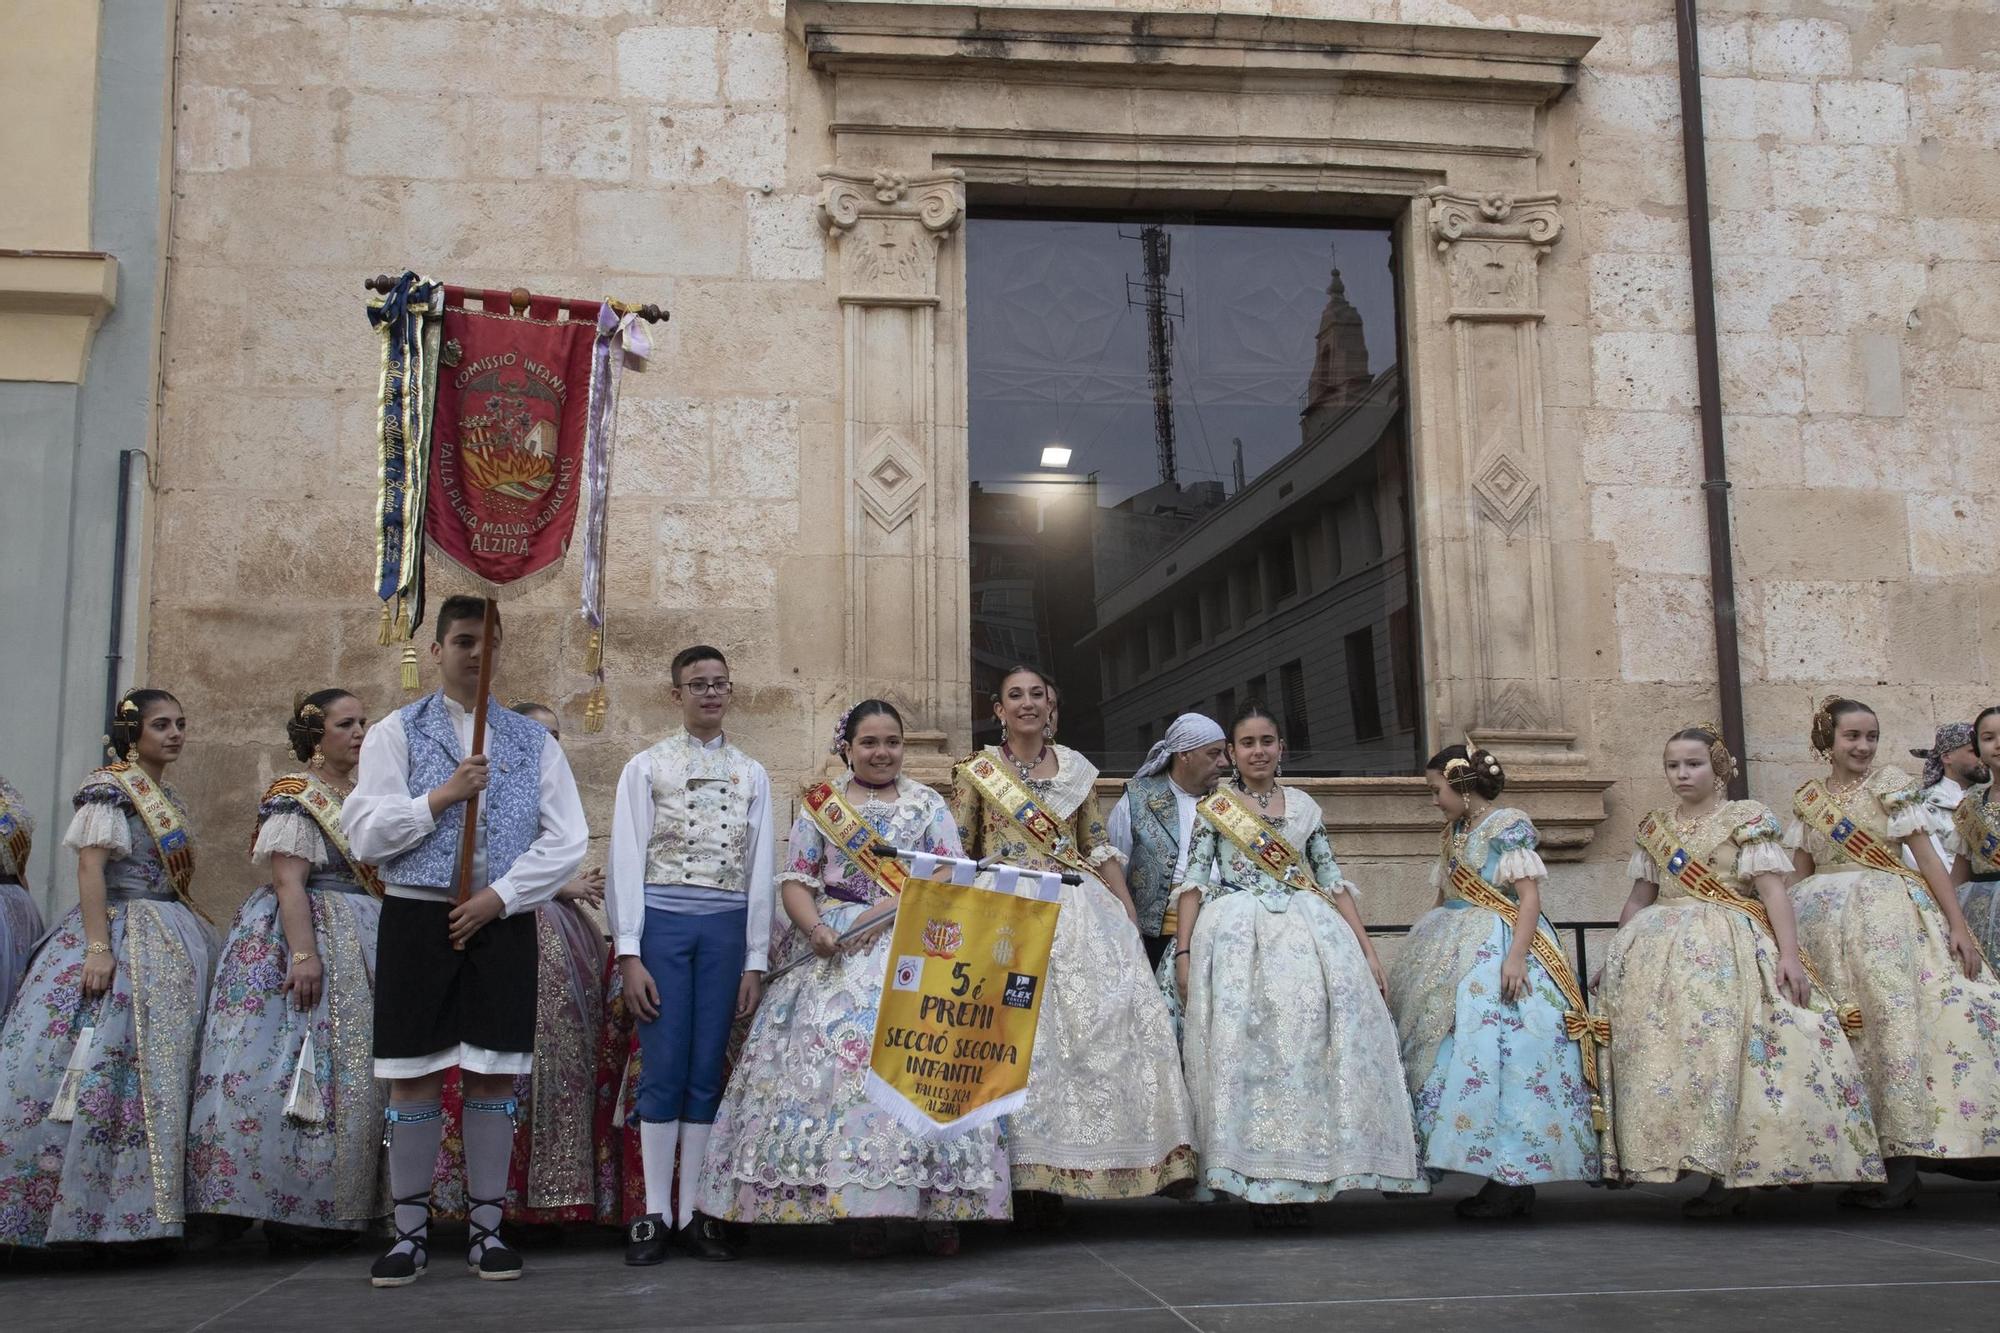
pixel 1156 848
pixel 510 810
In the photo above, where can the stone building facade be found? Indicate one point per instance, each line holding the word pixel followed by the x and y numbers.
pixel 792 177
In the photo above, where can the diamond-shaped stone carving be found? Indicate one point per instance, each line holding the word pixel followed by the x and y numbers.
pixel 889 478
pixel 1505 489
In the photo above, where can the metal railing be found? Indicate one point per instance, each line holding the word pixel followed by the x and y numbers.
pixel 1578 929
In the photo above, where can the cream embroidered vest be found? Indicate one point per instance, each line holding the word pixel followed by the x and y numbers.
pixel 701 815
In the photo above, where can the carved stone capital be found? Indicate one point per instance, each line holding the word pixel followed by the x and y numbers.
pixel 889 224
pixel 1492 243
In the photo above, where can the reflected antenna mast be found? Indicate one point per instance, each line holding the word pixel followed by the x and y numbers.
pixel 1162 308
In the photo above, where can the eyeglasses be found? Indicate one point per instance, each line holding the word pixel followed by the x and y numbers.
pixel 706 687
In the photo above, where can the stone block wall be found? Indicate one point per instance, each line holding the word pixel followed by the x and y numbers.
pixel 666 150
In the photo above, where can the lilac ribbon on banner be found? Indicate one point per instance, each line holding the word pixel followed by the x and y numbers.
pixel 622 340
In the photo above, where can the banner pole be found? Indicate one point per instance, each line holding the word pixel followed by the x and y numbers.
pixel 468 842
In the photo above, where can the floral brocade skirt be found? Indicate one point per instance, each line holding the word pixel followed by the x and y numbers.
pixel 1107 1113
pixel 1715 1071
pixel 796 1138
pixel 1929 1046
pixel 253 1149
pixel 20 927
pixel 1291 1057
pixel 1498 1087
pixel 113 1173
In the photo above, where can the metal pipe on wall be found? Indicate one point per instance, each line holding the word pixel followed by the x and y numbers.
pixel 1708 375
pixel 114 651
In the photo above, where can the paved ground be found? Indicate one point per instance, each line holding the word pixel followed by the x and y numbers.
pixel 1589 1259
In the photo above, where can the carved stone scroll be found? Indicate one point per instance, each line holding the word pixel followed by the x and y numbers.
pixel 889 227
pixel 1491 245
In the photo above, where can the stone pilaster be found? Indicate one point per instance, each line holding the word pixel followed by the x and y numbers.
pixel 1503 674
pixel 905 570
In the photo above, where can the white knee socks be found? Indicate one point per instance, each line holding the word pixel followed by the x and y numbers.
pixel 694 1143
pixel 657 1141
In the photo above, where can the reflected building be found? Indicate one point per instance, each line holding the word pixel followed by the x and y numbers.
pixel 1291 586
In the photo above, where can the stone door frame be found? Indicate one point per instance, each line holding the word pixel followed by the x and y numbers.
pixel 1451 133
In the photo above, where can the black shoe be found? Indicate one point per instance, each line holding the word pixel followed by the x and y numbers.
pixel 702 1238
pixel 400 1267
pixel 497 1260
pixel 646 1241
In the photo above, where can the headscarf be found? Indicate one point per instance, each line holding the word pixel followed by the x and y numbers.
pixel 1190 731
pixel 1951 736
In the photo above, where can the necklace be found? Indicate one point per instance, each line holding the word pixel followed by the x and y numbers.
pixel 1842 793
pixel 1685 825
pixel 1461 831
pixel 1019 767
pixel 871 786
pixel 1263 798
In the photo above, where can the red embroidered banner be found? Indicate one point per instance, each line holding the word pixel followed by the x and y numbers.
pixel 507 442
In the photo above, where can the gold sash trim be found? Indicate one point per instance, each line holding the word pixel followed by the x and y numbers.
pixel 1010 796
pixel 15 830
pixel 1975 824
pixel 163 821
pixel 323 804
pixel 1581 1026
pixel 846 829
pixel 1264 845
pixel 1703 883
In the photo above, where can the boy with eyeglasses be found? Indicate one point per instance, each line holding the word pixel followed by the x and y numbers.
pixel 690 900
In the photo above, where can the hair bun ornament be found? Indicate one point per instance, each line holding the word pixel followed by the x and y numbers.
pixel 839 732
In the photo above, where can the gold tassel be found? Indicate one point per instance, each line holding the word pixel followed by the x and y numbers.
pixel 1598 1120
pixel 302 1103
pixel 410 678
pixel 593 652
pixel 593 711
pixel 62 1111
pixel 388 625
pixel 402 620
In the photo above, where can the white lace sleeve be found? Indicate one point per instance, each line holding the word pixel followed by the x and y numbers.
pixel 1519 863
pixel 289 833
pixel 1795 836
pixel 99 824
pixel 1642 866
pixel 1763 857
pixel 1907 820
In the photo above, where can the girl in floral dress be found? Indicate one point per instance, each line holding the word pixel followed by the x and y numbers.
pixel 1107 1114
pixel 1724 1062
pixel 796 1139
pixel 98 1052
pixel 1974 841
pixel 1290 1052
pixel 287 1121
pixel 20 919
pixel 1893 941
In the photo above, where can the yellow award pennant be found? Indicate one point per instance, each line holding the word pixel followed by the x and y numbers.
pixel 955 1033
pixel 847 830
pixel 323 804
pixel 1009 795
pixel 1703 883
pixel 163 821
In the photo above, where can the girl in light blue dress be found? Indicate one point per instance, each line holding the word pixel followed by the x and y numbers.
pixel 1497 1081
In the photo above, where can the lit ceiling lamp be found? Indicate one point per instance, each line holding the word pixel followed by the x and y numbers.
pixel 1055 456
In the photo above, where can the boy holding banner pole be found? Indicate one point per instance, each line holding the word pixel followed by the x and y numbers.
pixel 455 975
pixel 689 900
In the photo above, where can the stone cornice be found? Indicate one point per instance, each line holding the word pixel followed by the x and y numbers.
pixel 51 303
pixel 1504 64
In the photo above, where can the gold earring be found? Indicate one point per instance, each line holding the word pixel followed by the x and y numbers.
pixel 318 759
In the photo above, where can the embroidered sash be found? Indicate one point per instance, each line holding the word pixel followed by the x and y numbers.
pixel 323 804
pixel 1974 821
pixel 1005 792
pixel 15 830
pixel 1816 806
pixel 163 821
pixel 1581 1026
pixel 856 838
pixel 1264 845
pixel 1705 884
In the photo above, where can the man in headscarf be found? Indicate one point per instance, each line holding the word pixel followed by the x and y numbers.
pixel 1153 821
pixel 1950 767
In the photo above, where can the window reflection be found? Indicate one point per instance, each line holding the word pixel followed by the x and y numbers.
pixel 1189 480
